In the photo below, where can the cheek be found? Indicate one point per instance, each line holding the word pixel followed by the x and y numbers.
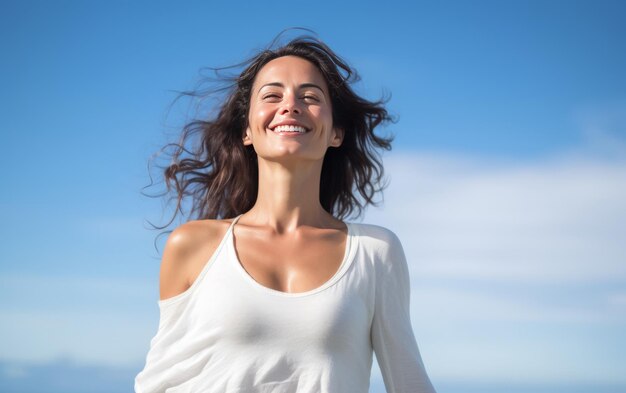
pixel 260 116
pixel 323 113
pixel 317 111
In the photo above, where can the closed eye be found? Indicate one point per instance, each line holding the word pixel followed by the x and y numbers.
pixel 276 96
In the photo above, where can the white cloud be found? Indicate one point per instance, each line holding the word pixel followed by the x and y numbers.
pixel 560 220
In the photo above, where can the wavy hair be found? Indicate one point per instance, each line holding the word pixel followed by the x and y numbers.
pixel 211 164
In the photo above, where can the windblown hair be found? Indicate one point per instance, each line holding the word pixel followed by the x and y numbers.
pixel 220 173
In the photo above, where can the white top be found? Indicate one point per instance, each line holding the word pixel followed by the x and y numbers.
pixel 227 333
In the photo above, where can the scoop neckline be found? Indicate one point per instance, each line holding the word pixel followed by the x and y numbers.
pixel 346 261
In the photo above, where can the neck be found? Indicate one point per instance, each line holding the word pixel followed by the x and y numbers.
pixel 288 196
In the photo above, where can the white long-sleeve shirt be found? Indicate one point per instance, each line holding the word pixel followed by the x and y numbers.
pixel 227 333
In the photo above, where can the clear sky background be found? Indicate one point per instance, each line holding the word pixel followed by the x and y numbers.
pixel 507 179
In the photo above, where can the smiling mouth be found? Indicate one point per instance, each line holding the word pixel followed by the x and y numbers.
pixel 289 130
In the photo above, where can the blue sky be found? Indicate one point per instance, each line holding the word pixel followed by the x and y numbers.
pixel 508 177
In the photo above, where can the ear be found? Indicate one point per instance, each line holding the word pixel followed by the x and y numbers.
pixel 247 139
pixel 337 137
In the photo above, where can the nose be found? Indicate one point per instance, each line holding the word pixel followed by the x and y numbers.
pixel 290 104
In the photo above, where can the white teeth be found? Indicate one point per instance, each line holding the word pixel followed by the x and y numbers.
pixel 290 129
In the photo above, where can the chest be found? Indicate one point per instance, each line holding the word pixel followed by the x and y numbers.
pixel 291 264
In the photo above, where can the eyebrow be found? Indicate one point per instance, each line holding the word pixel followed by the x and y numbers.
pixel 302 86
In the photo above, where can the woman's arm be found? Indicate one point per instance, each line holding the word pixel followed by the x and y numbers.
pixel 392 335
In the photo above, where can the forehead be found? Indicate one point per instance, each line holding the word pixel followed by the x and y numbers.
pixel 289 69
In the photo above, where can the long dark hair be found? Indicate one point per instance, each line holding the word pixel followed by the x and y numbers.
pixel 211 164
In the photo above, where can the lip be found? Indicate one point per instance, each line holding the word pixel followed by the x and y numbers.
pixel 288 134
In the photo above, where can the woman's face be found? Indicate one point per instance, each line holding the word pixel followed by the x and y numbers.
pixel 290 111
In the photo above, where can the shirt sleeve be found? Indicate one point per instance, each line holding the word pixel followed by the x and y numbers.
pixel 392 335
pixel 164 367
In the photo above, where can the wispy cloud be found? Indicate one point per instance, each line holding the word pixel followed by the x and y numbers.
pixel 103 320
pixel 64 375
pixel 558 220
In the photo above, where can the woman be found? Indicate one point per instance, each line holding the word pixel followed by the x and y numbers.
pixel 285 296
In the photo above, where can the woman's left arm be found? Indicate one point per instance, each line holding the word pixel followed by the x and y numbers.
pixel 392 335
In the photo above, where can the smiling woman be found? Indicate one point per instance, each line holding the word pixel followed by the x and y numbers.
pixel 298 111
pixel 267 289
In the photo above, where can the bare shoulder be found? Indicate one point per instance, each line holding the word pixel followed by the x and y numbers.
pixel 187 250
